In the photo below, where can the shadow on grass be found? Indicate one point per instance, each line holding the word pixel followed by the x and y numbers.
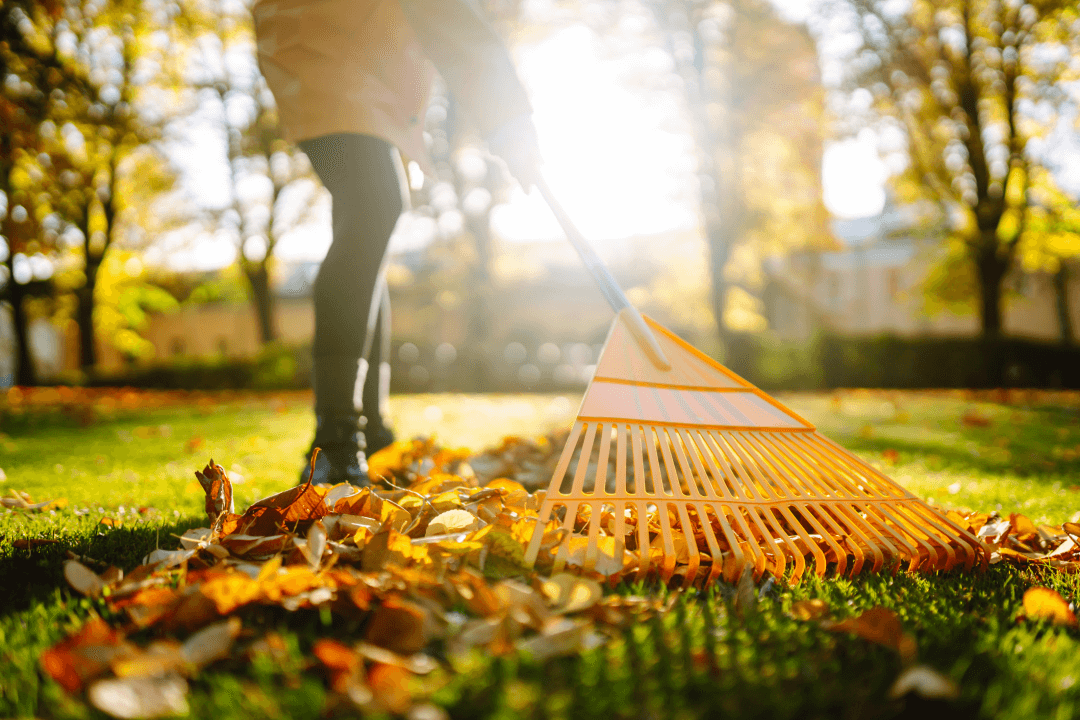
pixel 1030 453
pixel 33 575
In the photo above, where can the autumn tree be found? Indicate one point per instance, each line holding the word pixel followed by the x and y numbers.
pixel 753 91
pixel 39 83
pixel 127 48
pixel 970 82
pixel 1051 243
pixel 269 178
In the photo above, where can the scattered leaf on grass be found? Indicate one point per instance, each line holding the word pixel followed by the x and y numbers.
pixel 404 557
pixel 30 543
pixel 809 609
pixel 140 697
pixel 745 597
pixel 1041 603
pixel 82 578
pixel 879 625
pixel 925 682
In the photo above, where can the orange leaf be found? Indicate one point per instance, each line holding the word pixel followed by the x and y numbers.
pixel 510 486
pixel 230 591
pixel 879 625
pixel 70 668
pixel 267 516
pixel 148 605
pixel 219 496
pixel 334 655
pixel 354 504
pixel 390 685
pixel 1022 525
pixel 1042 603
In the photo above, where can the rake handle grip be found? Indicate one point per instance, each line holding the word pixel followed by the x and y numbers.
pixel 609 288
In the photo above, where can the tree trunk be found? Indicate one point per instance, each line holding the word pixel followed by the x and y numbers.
pixel 24 365
pixel 1061 302
pixel 84 317
pixel 991 270
pixel 262 298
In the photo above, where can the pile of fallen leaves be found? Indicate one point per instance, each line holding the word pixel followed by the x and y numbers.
pixel 404 559
pixel 430 557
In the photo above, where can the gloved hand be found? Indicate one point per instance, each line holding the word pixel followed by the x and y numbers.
pixel 516 143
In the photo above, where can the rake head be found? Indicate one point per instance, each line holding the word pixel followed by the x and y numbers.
pixel 691 471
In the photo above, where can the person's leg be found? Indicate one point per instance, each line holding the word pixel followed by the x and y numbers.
pixel 361 172
pixel 376 393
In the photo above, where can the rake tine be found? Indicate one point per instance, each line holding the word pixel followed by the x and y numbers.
pixel 740 476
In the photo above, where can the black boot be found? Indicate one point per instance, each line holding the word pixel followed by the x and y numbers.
pixel 341 456
pixel 378 436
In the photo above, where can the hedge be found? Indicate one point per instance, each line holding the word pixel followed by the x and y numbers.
pixel 825 362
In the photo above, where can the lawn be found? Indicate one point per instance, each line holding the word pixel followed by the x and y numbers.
pixel 130 459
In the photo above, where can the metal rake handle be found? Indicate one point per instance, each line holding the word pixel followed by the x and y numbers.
pixel 608 287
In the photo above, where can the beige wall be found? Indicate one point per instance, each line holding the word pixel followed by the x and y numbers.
pixel 225 329
pixel 872 300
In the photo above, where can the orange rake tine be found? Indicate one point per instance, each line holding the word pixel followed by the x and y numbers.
pixel 732 472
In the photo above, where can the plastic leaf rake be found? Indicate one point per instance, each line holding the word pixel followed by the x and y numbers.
pixel 694 471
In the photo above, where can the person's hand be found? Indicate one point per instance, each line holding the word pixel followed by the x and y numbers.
pixel 516 143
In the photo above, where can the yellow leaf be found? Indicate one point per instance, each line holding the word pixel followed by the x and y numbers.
pixel 230 591
pixel 452 521
pixel 809 609
pixel 510 486
pixel 1042 603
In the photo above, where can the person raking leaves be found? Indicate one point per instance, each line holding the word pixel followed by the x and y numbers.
pixel 351 80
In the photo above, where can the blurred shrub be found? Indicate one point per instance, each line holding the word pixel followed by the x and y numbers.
pixel 830 361
pixel 826 361
pixel 277 367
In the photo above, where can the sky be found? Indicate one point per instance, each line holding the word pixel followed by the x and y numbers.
pixel 616 148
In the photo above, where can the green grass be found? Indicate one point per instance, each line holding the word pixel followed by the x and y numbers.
pixel 701 660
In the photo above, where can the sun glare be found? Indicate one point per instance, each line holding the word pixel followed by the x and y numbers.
pixel 853 177
pixel 618 158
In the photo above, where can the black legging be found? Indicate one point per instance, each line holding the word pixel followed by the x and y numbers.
pixel 361 172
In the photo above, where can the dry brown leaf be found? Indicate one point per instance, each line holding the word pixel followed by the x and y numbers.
pixel 398 625
pixel 925 682
pixel 140 697
pixel 83 578
pixel 418 664
pixel 30 543
pixel 219 495
pixel 298 504
pixel 745 595
pixel 211 643
pixel 879 625
pixel 561 636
